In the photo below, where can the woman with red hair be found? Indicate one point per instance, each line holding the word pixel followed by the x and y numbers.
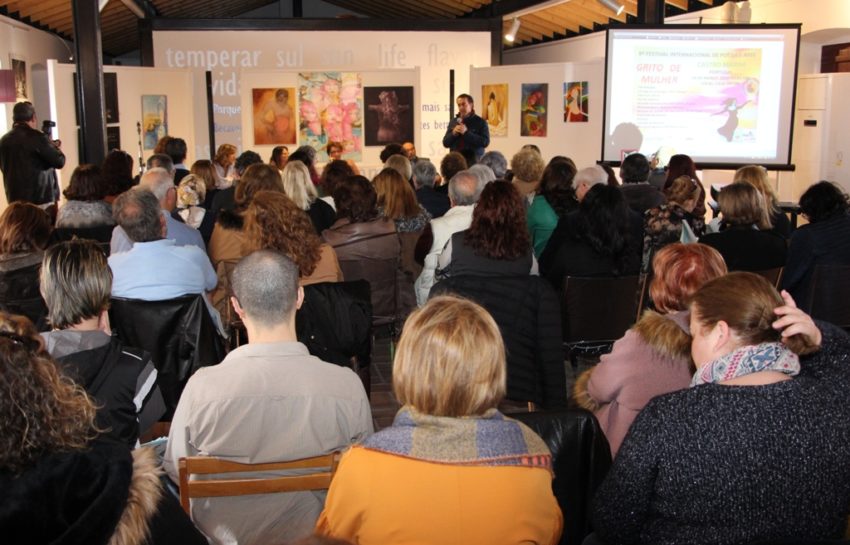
pixel 497 242
pixel 653 357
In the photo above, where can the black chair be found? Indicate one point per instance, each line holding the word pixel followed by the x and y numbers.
pixel 383 278
pixel 335 324
pixel 102 234
pixel 597 311
pixel 774 276
pixel 526 310
pixel 830 294
pixel 179 334
pixel 581 458
pixel 19 294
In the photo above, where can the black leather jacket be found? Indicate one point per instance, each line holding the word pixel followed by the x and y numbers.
pixel 27 159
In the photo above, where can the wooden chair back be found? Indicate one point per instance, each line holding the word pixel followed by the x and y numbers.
pixel 774 276
pixel 244 486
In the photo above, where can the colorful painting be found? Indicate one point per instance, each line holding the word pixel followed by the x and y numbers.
pixel 19 68
pixel 576 99
pixel 274 118
pixel 494 98
pixel 330 106
pixel 533 109
pixel 154 119
pixel 389 115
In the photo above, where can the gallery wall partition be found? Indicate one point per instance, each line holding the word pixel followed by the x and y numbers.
pixel 557 107
pixel 161 101
pixel 362 110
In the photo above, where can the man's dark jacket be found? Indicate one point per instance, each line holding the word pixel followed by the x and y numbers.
pixel 27 159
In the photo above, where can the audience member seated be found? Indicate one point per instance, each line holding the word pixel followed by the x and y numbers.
pixel 672 221
pixel 307 155
pixel 85 207
pixel 117 172
pixel 722 462
pixel 464 190
pixel 527 166
pixel 400 164
pixel 496 243
pixel 756 176
pixel 225 199
pixel 497 163
pixel 155 268
pixel 76 284
pixel 301 190
pixel 484 173
pixel 224 164
pixel 61 483
pixel 682 165
pixel 159 182
pixel 227 243
pixel 269 400
pixel 824 241
pixel 654 356
pixel 451 468
pixel 176 149
pixel 274 222
pixel 424 177
pixel 639 194
pixel 553 200
pixel 24 234
pixel 365 242
pixel 452 163
pixel 191 194
pixel 746 240
pixel 334 173
pixel 280 155
pixel 658 167
pixel 335 151
pixel 595 240
pixel 391 149
pixel 203 170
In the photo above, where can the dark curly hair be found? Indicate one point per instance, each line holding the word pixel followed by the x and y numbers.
pixel 334 173
pixel 274 222
pixel 498 228
pixel 87 184
pixel 823 201
pixel 117 171
pixel 41 410
pixel 451 164
pixel 257 177
pixel 356 200
pixel 24 227
pixel 556 185
pixel 603 222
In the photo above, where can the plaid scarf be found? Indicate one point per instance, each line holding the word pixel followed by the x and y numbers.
pixel 488 440
pixel 747 360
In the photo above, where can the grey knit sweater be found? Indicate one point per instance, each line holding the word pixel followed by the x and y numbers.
pixel 735 464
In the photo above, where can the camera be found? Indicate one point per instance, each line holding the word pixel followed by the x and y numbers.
pixel 46 127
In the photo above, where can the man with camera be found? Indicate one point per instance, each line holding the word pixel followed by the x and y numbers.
pixel 27 159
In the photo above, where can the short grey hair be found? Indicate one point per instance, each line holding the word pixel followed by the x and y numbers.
pixel 75 282
pixel 424 173
pixel 161 160
pixel 400 164
pixel 485 174
pixel 590 176
pixel 465 188
pixel 158 181
pixel 266 285
pixel 137 211
pixel 497 163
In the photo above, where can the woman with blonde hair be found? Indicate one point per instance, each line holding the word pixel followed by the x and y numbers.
pixel 451 468
pixel 672 221
pixel 273 221
pixel 61 483
pixel 756 176
pixel 757 449
pixel 223 162
pixel 299 187
pixel 745 239
pixel 527 166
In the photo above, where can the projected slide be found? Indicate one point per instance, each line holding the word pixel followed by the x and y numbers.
pixel 719 95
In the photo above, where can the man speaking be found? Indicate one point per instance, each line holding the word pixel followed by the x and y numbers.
pixel 467 130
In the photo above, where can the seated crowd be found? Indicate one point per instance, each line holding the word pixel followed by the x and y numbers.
pixel 724 404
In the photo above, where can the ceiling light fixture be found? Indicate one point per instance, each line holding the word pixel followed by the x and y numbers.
pixel 613 5
pixel 511 35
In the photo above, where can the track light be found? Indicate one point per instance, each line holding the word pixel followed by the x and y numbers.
pixel 613 5
pixel 511 35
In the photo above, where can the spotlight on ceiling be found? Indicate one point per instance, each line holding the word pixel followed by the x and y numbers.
pixel 613 5
pixel 511 35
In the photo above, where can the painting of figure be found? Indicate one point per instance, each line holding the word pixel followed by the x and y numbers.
pixel 274 119
pixel 494 97
pixel 330 105
pixel 576 99
pixel 389 115
pixel 533 109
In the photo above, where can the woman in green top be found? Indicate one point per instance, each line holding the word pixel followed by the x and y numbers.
pixel 554 199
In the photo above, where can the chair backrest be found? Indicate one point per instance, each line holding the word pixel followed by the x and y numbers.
pixel 581 458
pixel 830 293
pixel 19 294
pixel 382 275
pixel 179 334
pixel 246 485
pixel 102 234
pixel 599 308
pixel 774 276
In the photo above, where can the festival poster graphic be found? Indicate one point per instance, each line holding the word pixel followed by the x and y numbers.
pixel 274 117
pixel 330 108
pixel 576 98
pixel 494 98
pixel 389 115
pixel 533 109
pixel 154 119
